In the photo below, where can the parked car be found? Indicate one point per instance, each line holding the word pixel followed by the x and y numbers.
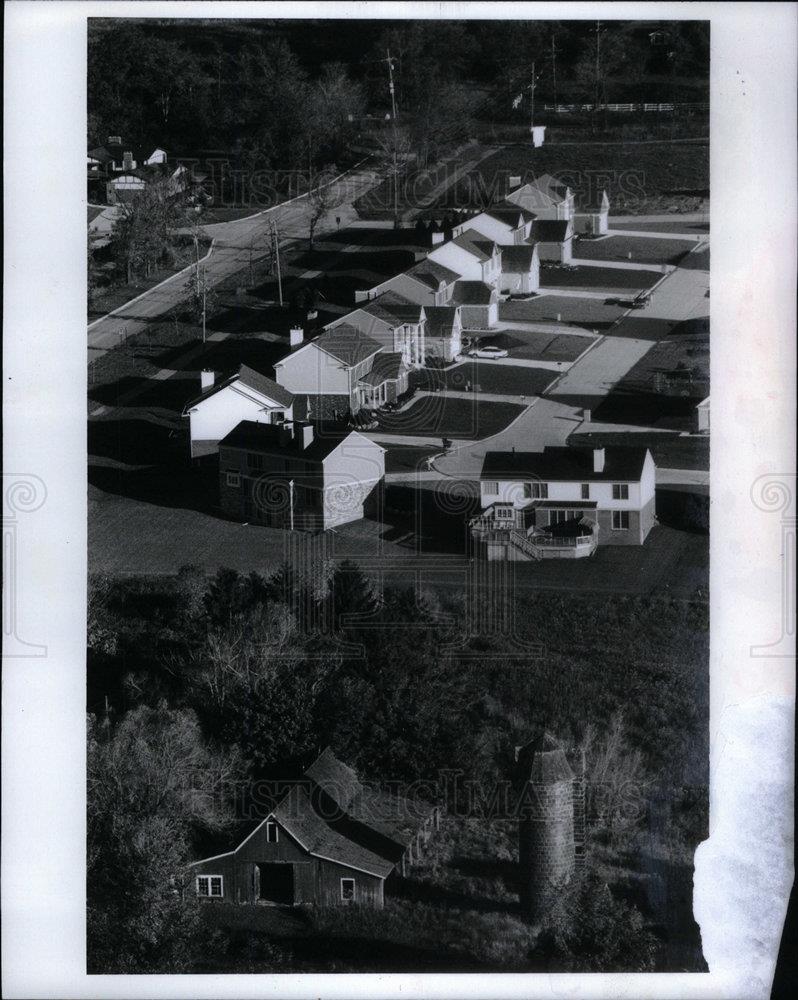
pixel 487 352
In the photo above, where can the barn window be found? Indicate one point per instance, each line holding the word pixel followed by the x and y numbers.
pixel 347 890
pixel 210 885
pixel 272 835
pixel 233 479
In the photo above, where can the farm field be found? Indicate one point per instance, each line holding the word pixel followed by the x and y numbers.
pixel 639 178
pixel 597 278
pixel 642 249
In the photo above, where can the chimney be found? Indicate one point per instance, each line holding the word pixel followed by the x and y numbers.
pixel 297 335
pixel 303 434
pixel 207 379
pixel 127 161
pixel 587 416
pixel 598 459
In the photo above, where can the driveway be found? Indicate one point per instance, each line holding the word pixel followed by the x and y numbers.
pixel 602 367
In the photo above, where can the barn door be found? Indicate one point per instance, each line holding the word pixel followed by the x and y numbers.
pixel 276 883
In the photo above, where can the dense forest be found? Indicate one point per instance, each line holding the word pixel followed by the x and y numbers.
pixel 200 688
pixel 286 91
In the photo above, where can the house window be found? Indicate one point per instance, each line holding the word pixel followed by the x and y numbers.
pixel 211 886
pixel 233 479
pixel 491 489
pixel 620 520
pixel 347 890
pixel 585 491
pixel 278 416
pixel 558 516
pixel 272 835
pixel 620 491
pixel 505 512
pixel 536 491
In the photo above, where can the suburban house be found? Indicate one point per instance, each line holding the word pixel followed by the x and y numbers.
pixel 427 282
pixel 479 304
pixel 504 224
pixel 126 185
pixel 394 322
pixel 593 217
pixel 472 256
pixel 520 269
pixel 443 332
pixel 328 840
pixel 554 239
pixel 564 502
pixel 298 476
pixel 326 374
pixel 545 197
pixel 221 406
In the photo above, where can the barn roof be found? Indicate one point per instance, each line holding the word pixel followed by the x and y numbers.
pixel 334 777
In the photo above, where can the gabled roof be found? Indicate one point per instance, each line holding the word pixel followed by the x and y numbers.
pixel 563 464
pixel 249 379
pixel 440 319
pixel 544 192
pixel 549 230
pixel 476 244
pixel 433 274
pixel 394 309
pixel 386 367
pixel 518 258
pixel 473 293
pixel 271 439
pixel 334 778
pixel 510 215
pixel 346 344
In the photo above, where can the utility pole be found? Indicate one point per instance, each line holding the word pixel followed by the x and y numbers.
pixel 200 284
pixel 276 246
pixel 554 71
pixel 532 100
pixel 392 90
pixel 598 60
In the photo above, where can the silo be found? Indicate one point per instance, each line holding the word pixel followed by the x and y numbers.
pixel 545 823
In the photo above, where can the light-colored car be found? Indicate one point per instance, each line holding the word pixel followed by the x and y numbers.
pixel 487 352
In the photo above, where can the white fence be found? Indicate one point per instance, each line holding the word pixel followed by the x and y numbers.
pixel 570 108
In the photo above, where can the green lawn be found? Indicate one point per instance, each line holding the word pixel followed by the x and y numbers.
pixel 597 278
pixel 593 314
pixel 642 249
pixel 698 261
pixel 537 345
pixel 663 227
pixel 445 416
pixel 670 451
pixel 482 376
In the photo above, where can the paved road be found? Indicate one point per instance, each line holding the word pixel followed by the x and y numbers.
pixel 231 253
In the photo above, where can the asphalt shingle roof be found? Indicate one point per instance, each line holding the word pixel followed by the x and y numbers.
pixel 475 243
pixel 395 309
pixel 347 344
pixel 563 464
pixel 387 366
pixel 518 258
pixel 433 274
pixel 251 379
pixel 270 439
pixel 473 293
pixel 440 319
pixel 549 230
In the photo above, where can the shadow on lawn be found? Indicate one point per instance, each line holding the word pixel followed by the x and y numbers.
pixel 443 896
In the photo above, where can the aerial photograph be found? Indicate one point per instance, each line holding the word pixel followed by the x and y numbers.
pixel 398 430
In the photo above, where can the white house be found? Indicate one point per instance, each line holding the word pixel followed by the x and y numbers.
pixel 443 334
pixel 545 197
pixel 593 217
pixel 479 304
pixel 298 477
pixel 428 282
pixel 125 186
pixel 472 256
pixel 520 269
pixel 341 372
pixel 247 395
pixel 554 239
pixel 563 502
pixel 396 323
pixel 504 224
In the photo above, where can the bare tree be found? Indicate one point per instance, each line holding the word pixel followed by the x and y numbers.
pixel 323 197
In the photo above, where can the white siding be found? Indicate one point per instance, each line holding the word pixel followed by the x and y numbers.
pixel 312 371
pixel 351 471
pixel 512 491
pixel 214 417
pixel 459 260
pixel 490 228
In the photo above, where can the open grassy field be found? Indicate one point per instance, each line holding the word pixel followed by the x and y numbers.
pixel 597 278
pixel 592 314
pixel 634 249
pixel 486 376
pixel 638 177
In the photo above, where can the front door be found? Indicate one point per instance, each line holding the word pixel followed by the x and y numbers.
pixel 276 883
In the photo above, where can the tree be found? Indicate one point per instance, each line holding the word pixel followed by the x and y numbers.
pixel 151 782
pixel 323 197
pixel 143 234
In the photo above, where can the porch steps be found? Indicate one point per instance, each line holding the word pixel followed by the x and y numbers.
pixel 528 547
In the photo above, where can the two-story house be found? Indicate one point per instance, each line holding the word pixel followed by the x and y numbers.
pixel 520 269
pixel 340 372
pixel 592 219
pixel 504 224
pixel 221 406
pixel 564 502
pixel 479 304
pixel 443 332
pixel 554 239
pixel 298 476
pixel 472 256
pixel 545 197
pixel 428 282
pixel 326 839
pixel 394 322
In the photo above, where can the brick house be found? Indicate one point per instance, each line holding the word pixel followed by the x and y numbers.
pixel 327 840
pixel 221 406
pixel 564 502
pixel 298 476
